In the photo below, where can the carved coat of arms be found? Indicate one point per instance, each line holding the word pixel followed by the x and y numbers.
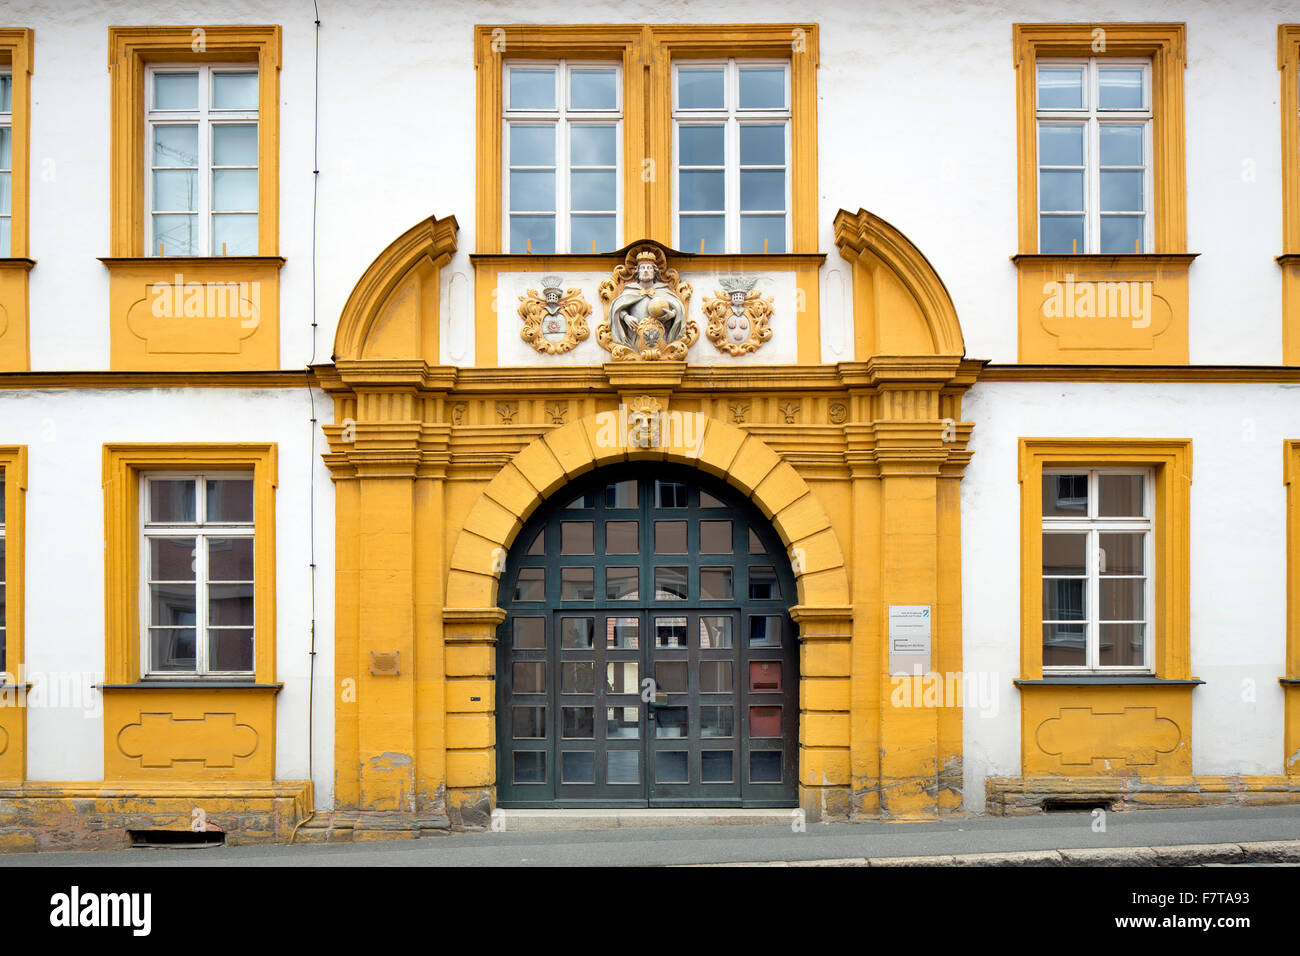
pixel 646 310
pixel 738 316
pixel 555 321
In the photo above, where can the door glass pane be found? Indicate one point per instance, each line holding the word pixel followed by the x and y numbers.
pixel 716 766
pixel 717 677
pixel 577 677
pixel 670 632
pixel 577 537
pixel 529 677
pixel 1063 645
pixel 621 677
pixel 764 631
pixel 670 677
pixel 715 632
pixel 621 537
pixel 622 494
pixel 529 723
pixel 717 721
pixel 670 766
pixel 715 584
pixel 1065 495
pixel 765 766
pixel 708 501
pixel 577 633
pixel 671 721
pixel 622 584
pixel 530 585
pixel 577 723
pixel 756 543
pixel 582 502
pixel 763 585
pixel 765 721
pixel 577 766
pixel 670 537
pixel 624 723
pixel 577 584
pixel 670 494
pixel 538 547
pixel 764 676
pixel 670 584
pixel 1121 496
pixel 622 633
pixel 715 537
pixel 530 766
pixel 624 766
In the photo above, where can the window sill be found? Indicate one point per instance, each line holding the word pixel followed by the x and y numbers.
pixel 192 684
pixel 1093 680
pixel 1122 259
pixel 1289 681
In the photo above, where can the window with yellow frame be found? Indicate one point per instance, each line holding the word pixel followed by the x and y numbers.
pixel 581 149
pixel 1288 63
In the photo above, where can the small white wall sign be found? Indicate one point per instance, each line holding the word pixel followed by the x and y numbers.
pixel 909 639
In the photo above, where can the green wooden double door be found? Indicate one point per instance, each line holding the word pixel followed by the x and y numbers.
pixel 647 657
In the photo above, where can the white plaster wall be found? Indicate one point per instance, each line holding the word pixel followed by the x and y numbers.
pixel 65 430
pixel 1238 541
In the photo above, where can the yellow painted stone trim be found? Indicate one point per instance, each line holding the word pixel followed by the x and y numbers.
pixel 13 716
pixel 122 467
pixel 15 347
pixel 392 312
pixel 1171 458
pixel 1166 45
pixel 1288 64
pixel 129 50
pixel 1291 477
pixel 646 54
pixel 16 47
pixel 900 305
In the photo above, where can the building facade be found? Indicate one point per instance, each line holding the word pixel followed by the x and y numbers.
pixel 413 412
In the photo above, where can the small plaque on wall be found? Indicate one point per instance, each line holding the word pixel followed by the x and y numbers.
pixel 385 663
pixel 909 639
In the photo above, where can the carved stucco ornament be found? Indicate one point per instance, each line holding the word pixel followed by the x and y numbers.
pixel 555 321
pixel 738 316
pixel 646 310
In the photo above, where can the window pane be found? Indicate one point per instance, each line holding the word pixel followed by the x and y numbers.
pixel 577 677
pixel 577 584
pixel 717 677
pixel 762 234
pixel 763 585
pixel 756 543
pixel 702 190
pixel 171 559
pixel 1123 645
pixel 715 584
pixel 532 189
pixel 715 632
pixel 530 766
pixel 621 537
pixel 670 632
pixel 1122 599
pixel 622 494
pixel 578 722
pixel 234 145
pixel 1060 87
pixel 531 584
pixel 716 766
pixel 762 145
pixel 234 91
pixel 234 190
pixel 593 89
pixel 175 235
pixel 670 676
pixel 171 501
pixel 763 189
pixel 621 678
pixel 765 766
pixel 176 190
pixel 172 648
pixel 622 584
pixel 532 88
pixel 672 722
pixel 592 189
pixel 593 233
pixel 701 145
pixel 717 721
pixel 1121 190
pixel 764 631
pixel 529 633
pixel 1063 645
pixel 623 723
pixel 764 676
pixel 1121 145
pixel 230 499
pixel 532 233
pixel 670 537
pixel 1065 553
pixel 587 500
pixel 577 537
pixel 708 501
pixel 765 721
pixel 701 233
pixel 624 766
pixel 176 91
pixel 172 604
pixel 532 145
pixel 1122 553
pixel 538 547
pixel 234 235
pixel 1062 145
pixel 230 650
pixel 1061 234
pixel 1121 88
pixel 622 633
pixel 1122 233
pixel 1064 599
pixel 670 584
pixel 176 146
pixel 670 494
pixel 1060 190
pixel 591 146
pixel 577 766
pixel 762 88
pixel 577 633
pixel 701 89
pixel 529 723
pixel 715 537
pixel 6 92
pixel 1065 495
pixel 1121 496
pixel 230 605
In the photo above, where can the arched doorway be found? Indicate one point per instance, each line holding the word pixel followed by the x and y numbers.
pixel 647 657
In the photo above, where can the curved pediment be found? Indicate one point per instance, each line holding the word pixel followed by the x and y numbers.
pixel 392 312
pixel 900 305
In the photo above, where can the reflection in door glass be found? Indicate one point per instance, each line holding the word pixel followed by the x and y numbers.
pixel 715 766
pixel 577 633
pixel 530 766
pixel 624 767
pixel 622 633
pixel 670 766
pixel 715 632
pixel 671 721
pixel 670 632
pixel 578 677
pixel 765 766
pixel 577 766
pixel 621 678
pixel 624 723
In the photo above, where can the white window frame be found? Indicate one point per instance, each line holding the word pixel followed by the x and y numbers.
pixel 563 117
pixel 205 117
pixel 7 122
pixel 1095 526
pixel 200 530
pixel 732 116
pixel 1092 116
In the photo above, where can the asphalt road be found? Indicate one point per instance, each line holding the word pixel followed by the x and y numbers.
pixel 730 844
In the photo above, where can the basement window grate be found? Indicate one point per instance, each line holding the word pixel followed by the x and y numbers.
pixel 176 839
pixel 1077 806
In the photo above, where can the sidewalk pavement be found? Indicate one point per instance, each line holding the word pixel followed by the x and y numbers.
pixel 1144 837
